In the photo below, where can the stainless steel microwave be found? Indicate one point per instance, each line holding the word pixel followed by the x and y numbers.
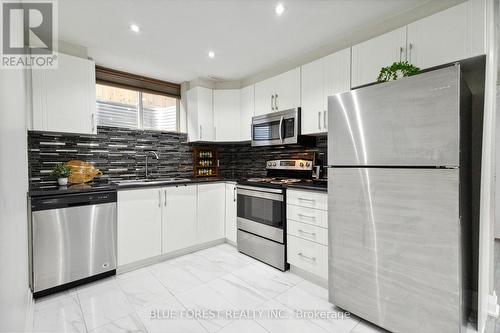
pixel 277 128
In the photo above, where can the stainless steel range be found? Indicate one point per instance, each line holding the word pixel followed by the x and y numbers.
pixel 262 211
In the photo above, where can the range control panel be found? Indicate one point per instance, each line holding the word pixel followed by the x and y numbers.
pixel 290 165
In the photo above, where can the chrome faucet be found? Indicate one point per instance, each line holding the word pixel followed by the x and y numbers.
pixel 155 155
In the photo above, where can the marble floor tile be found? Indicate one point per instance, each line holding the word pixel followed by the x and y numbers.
pixel 243 326
pixel 224 258
pixel 330 317
pixel 238 292
pixel 204 298
pixel 209 282
pixel 60 313
pixel 265 281
pixel 103 303
pixel 286 320
pixel 142 288
pixel 366 327
pixel 175 279
pixel 130 324
pixel 177 320
pixel 200 267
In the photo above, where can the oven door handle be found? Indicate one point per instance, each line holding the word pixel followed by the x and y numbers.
pixel 261 195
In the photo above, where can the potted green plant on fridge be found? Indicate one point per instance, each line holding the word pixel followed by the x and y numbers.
pixel 61 172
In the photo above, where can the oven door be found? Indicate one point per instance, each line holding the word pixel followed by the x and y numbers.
pixel 276 128
pixel 261 211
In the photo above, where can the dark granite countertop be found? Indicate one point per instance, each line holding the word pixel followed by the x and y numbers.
pixel 71 189
pixel 321 185
pixel 111 186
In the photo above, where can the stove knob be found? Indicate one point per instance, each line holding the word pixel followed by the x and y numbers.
pixel 308 164
pixel 301 164
pixel 269 164
pixel 274 163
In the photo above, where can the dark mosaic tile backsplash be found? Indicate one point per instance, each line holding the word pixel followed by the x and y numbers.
pixel 120 154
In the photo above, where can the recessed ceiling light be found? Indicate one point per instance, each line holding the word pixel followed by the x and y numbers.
pixel 279 9
pixel 211 54
pixel 135 28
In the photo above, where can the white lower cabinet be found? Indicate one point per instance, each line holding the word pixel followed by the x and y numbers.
pixel 155 221
pixel 139 225
pixel 307 231
pixel 179 217
pixel 211 211
pixel 231 209
pixel 309 256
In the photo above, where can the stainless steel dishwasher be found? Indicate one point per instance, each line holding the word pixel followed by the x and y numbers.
pixel 73 240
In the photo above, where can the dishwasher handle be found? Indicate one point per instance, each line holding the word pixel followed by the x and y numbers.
pixel 72 200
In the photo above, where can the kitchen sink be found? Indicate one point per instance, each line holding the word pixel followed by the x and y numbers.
pixel 155 181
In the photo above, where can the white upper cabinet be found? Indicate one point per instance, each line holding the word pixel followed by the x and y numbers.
pixel 322 78
pixel 247 107
pixel 211 212
pixel 264 97
pixel 200 117
pixel 287 90
pixel 370 56
pixel 64 99
pixel 227 115
pixel 179 217
pixel 313 85
pixel 451 35
pixel 278 93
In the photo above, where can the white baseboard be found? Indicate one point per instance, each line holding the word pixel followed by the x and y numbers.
pixel 154 260
pixel 231 242
pixel 30 310
pixel 309 276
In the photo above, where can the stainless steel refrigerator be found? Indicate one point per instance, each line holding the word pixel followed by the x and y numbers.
pixel 399 202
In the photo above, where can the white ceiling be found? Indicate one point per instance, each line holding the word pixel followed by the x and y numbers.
pixel 246 35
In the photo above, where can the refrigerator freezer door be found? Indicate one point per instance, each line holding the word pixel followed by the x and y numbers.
pixel 394 253
pixel 409 122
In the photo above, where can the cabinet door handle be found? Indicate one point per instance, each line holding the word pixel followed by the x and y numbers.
pixel 201 132
pixel 159 198
pixel 276 104
pixel 272 102
pixel 93 122
pixel 325 124
pixel 401 53
pixel 234 194
pixel 307 233
pixel 306 257
pixel 410 47
pixel 215 132
pixel 305 199
pixel 319 119
pixel 165 194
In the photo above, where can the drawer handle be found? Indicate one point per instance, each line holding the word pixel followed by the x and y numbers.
pixel 305 199
pixel 307 216
pixel 307 233
pixel 300 254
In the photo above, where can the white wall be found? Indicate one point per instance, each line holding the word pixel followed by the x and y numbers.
pixel 487 206
pixel 15 298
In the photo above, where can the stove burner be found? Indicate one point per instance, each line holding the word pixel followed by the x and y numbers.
pixel 285 181
pixel 260 180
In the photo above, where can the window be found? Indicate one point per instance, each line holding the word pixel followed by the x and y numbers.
pixel 120 107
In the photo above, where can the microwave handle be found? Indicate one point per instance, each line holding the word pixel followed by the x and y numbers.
pixel 281 128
